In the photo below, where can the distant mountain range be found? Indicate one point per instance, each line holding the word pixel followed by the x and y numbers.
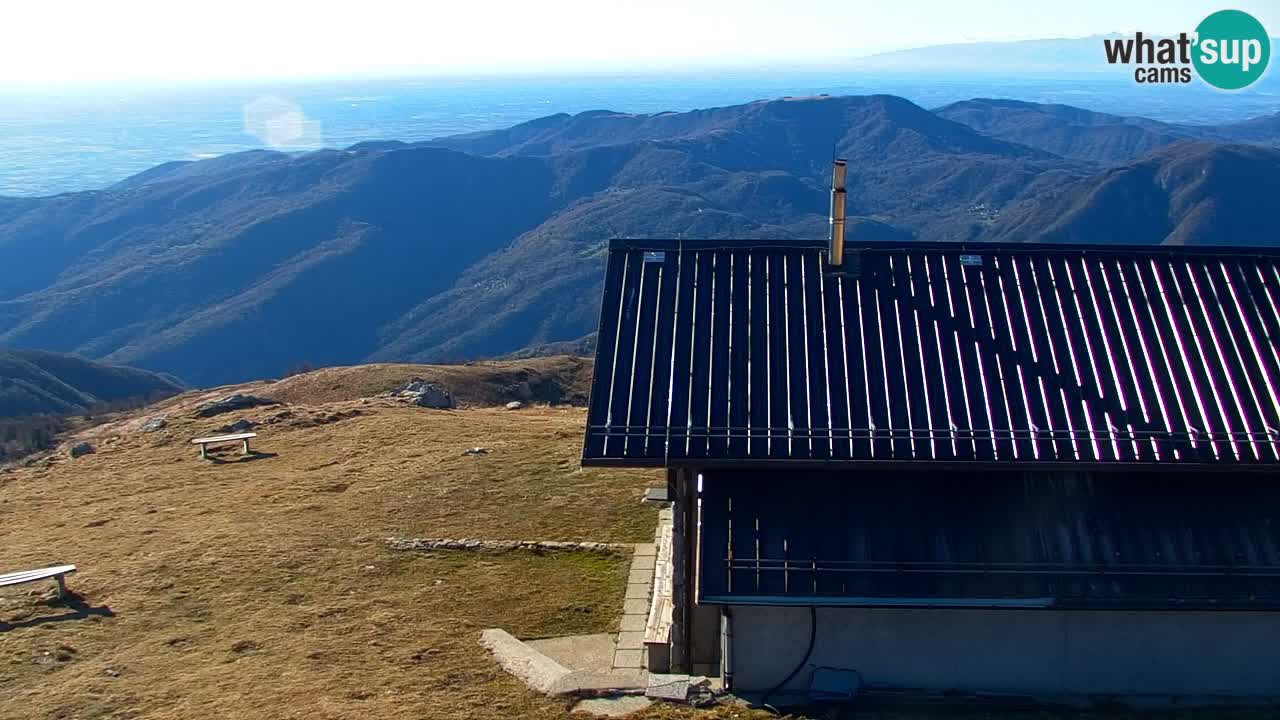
pixel 1097 137
pixel 484 244
pixel 34 382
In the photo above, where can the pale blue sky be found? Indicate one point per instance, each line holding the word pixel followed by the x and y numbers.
pixel 77 41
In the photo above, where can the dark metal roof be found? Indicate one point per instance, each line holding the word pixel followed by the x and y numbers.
pixel 990 539
pixel 751 351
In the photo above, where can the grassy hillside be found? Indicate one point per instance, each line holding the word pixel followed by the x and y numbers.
pixel 1081 134
pixel 1185 194
pixel 1068 131
pixel 223 589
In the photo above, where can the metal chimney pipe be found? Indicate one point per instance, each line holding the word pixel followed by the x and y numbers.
pixel 836 254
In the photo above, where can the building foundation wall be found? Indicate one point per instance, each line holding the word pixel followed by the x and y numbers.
pixel 1042 653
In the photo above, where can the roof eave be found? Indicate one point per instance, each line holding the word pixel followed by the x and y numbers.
pixel 927 464
pixel 618 244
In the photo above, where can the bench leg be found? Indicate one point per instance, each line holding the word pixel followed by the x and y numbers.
pixel 203 456
pixel 246 448
pixel 62 586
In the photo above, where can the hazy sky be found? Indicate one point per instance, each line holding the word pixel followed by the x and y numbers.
pixel 61 41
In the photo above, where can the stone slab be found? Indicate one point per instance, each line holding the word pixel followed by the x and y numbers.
pixel 622 681
pixel 633 623
pixel 538 671
pixel 635 606
pixel 657 495
pixel 644 549
pixel 668 687
pixel 628 659
pixel 637 591
pixel 629 680
pixel 644 562
pixel 630 640
pixel 578 652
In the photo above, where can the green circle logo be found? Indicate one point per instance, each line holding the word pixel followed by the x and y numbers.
pixel 1232 49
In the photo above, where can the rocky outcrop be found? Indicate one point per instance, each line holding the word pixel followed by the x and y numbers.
pixel 239 426
pixel 231 403
pixel 425 394
pixel 81 449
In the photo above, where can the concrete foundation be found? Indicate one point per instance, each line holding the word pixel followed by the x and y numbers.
pixel 1040 653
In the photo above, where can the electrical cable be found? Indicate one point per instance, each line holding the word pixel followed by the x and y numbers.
pixel 813 637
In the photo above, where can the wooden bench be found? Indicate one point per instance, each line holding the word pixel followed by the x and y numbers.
pixel 205 442
pixel 57 572
pixel 657 631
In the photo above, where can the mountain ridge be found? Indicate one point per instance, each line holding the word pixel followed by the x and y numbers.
pixel 1173 196
pixel 36 382
pixel 1091 136
pixel 480 245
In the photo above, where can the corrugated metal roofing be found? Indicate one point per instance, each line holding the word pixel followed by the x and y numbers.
pixel 729 351
pixel 1153 540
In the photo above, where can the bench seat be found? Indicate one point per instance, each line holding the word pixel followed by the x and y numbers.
pixel 205 442
pixel 57 572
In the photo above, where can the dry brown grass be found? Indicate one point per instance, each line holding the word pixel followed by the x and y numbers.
pixel 261 588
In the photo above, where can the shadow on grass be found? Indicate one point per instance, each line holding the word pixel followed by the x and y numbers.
pixel 253 455
pixel 77 607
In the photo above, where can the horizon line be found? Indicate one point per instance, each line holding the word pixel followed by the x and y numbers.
pixel 622 69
